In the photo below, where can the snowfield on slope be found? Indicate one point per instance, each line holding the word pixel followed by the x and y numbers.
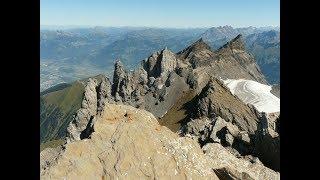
pixel 257 94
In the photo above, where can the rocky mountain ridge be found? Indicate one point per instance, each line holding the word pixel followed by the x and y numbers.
pixel 214 114
pixel 263 44
pixel 63 54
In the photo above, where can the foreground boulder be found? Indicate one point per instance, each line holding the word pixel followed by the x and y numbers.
pixel 129 143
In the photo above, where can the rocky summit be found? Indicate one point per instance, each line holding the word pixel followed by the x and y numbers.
pixel 129 143
pixel 170 118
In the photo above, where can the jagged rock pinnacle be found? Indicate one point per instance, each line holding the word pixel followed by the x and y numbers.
pixel 161 63
pixel 118 63
pixel 85 114
pixel 238 37
pixel 118 75
pixel 197 46
pixel 197 54
pixel 200 43
pixel 235 43
pixel 119 71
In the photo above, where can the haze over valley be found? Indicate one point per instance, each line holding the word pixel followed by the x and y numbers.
pixel 70 54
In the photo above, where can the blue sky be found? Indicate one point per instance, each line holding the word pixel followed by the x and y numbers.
pixel 161 13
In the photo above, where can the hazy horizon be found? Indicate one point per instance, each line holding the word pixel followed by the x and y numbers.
pixel 161 14
pixel 48 27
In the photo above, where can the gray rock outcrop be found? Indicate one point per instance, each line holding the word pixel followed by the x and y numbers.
pixel 104 94
pixel 161 63
pixel 216 100
pixel 48 157
pixel 226 165
pixel 267 143
pixel 276 90
pixel 86 113
pixel 217 116
pixel 97 92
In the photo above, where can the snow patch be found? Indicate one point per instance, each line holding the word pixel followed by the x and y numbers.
pixel 257 94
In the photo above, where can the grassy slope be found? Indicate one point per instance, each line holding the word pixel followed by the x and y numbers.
pixel 172 119
pixel 57 106
pixel 66 97
pixel 57 110
pixel 51 144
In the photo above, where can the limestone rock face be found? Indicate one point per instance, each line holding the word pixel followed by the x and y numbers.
pixel 231 61
pixel 215 115
pixel 154 86
pixel 169 62
pixel 216 100
pixel 198 54
pixel 276 90
pixel 128 143
pixel 97 92
pixel 103 93
pixel 235 44
pixel 118 76
pixel 122 83
pixel 227 165
pixel 141 75
pixel 48 157
pixel 199 128
pixel 87 111
pixel 161 63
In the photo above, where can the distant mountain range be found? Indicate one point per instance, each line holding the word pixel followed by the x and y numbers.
pixel 71 54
